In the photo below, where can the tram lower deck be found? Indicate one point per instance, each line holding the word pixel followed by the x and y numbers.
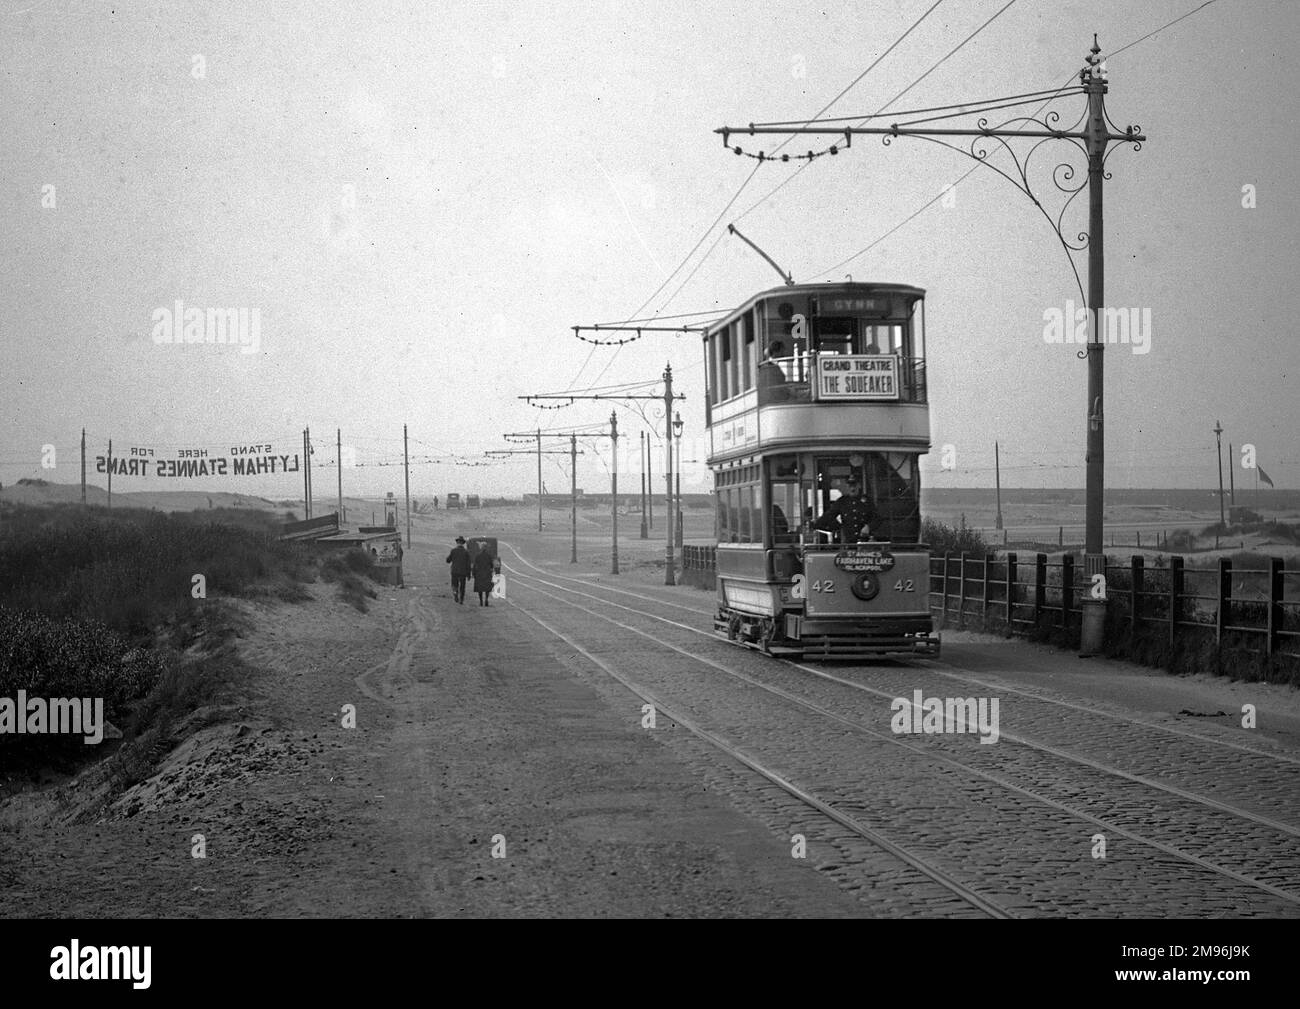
pixel 819 556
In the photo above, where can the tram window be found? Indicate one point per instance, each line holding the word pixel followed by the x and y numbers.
pixel 835 335
pixel 894 487
pixel 783 497
pixel 744 506
pixel 748 359
pixel 880 339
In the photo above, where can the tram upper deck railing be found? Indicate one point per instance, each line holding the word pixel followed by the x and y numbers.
pixel 794 380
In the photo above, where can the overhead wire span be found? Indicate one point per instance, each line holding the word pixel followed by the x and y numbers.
pixel 742 188
pixel 970 171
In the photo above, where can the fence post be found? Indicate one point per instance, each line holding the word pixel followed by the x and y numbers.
pixel 1067 588
pixel 1225 599
pixel 1011 589
pixel 947 573
pixel 984 604
pixel 1275 590
pixel 1136 572
pixel 1040 586
pixel 1175 592
pixel 961 598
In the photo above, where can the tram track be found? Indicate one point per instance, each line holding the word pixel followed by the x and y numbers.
pixel 932 872
pixel 1001 781
pixel 939 667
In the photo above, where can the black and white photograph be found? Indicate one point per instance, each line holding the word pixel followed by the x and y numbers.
pixel 872 426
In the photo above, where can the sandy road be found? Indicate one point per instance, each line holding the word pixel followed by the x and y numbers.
pixel 472 738
pixel 474 725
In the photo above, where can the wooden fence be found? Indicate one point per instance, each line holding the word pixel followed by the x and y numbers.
pixel 1020 594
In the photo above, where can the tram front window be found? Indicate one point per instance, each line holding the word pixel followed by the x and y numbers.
pixel 862 497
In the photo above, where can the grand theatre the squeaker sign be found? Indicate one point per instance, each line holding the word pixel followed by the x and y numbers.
pixel 187 463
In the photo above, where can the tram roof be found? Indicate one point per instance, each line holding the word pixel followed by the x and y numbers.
pixel 843 287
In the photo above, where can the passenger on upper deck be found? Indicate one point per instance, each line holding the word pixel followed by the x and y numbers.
pixel 850 514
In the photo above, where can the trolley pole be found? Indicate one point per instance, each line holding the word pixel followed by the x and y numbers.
pixel 406 460
pixel 669 574
pixel 539 479
pixel 573 494
pixel 1232 480
pixel 613 441
pixel 644 533
pixel 997 478
pixel 1096 136
pixel 677 434
pixel 1218 447
pixel 307 463
pixel 339 456
pixel 650 481
pixel 306 489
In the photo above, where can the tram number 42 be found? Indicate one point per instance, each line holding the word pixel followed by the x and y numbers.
pixel 826 586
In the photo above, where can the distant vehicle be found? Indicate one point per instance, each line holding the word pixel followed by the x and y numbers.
pixel 471 501
pixel 453 502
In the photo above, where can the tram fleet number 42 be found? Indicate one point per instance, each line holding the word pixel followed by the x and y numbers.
pixel 799 590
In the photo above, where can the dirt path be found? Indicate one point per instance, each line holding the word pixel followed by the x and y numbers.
pixel 468 728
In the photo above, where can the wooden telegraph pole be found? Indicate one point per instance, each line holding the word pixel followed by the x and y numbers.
pixel 406 461
pixel 613 476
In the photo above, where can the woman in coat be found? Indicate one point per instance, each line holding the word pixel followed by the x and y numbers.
pixel 483 576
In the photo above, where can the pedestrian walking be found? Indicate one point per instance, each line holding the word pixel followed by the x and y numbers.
pixel 483 576
pixel 460 569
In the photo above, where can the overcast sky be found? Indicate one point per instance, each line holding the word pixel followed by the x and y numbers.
pixel 419 200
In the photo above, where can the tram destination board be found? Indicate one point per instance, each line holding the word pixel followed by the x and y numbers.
pixel 857 376
pixel 864 559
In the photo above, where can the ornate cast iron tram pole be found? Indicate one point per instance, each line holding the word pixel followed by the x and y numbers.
pixel 1092 139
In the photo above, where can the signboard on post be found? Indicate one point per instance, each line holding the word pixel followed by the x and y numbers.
pixel 857 376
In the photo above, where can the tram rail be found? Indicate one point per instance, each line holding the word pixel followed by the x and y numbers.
pixel 1260 823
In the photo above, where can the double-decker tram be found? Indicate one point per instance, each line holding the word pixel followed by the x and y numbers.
pixel 817 417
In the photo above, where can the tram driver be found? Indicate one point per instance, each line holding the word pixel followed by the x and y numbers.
pixel 851 514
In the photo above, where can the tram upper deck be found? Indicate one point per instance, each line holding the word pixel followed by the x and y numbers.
pixel 779 361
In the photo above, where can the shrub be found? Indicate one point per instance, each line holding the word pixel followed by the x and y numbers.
pixel 958 539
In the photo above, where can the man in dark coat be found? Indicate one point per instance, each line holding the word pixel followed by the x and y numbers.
pixel 460 568
pixel 850 515
pixel 483 576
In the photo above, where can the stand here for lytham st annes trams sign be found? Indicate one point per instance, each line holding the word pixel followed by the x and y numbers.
pixel 862 558
pixel 857 376
pixel 187 463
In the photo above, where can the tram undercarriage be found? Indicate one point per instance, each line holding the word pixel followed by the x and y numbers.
pixel 790 635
